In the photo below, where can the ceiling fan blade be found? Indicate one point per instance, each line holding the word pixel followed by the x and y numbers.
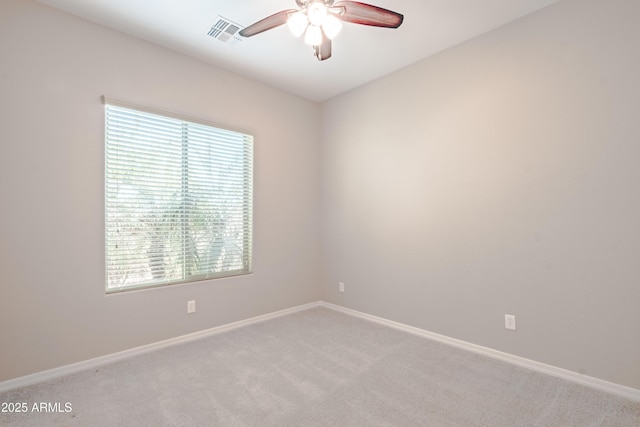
pixel 367 14
pixel 267 23
pixel 323 51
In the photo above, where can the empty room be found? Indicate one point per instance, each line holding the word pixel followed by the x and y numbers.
pixel 317 213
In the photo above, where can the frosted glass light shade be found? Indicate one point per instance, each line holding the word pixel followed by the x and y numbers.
pixel 317 13
pixel 331 26
pixel 313 36
pixel 297 23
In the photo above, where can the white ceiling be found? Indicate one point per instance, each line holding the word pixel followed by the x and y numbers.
pixel 360 53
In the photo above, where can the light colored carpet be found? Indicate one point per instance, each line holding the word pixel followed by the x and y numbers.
pixel 317 368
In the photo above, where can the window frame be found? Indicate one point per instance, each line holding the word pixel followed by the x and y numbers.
pixel 248 199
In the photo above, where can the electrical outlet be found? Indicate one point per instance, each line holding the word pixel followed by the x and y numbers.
pixel 341 287
pixel 510 321
pixel 191 306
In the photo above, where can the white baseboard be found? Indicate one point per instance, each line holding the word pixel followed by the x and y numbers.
pixel 73 368
pixel 609 387
pixel 606 386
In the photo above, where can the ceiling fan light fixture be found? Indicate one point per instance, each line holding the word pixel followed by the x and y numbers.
pixel 331 26
pixel 297 23
pixel 313 35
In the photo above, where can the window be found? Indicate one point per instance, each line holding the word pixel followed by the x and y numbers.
pixel 178 200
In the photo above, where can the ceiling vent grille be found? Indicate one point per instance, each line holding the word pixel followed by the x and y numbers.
pixel 225 30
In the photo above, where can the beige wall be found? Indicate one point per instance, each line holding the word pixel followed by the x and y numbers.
pixel 53 309
pixel 500 176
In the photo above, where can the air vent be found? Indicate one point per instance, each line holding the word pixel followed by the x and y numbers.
pixel 225 30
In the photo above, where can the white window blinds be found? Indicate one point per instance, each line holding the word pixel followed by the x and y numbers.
pixel 178 200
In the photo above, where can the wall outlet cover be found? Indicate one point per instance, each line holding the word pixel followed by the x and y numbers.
pixel 510 321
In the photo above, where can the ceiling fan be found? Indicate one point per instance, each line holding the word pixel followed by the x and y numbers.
pixel 321 20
